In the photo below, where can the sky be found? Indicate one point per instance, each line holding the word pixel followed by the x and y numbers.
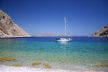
pixel 84 17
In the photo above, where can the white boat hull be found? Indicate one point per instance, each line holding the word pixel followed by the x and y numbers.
pixel 64 39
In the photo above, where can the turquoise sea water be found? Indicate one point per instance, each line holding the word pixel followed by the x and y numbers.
pixel 81 53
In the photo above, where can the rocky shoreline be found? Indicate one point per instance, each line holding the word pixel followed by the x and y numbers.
pixel 30 69
pixel 44 67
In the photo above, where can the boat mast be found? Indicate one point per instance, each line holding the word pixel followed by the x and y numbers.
pixel 65 25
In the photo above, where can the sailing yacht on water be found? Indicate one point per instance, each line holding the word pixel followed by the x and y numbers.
pixel 64 38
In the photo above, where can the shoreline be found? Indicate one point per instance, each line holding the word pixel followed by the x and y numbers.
pixel 4 68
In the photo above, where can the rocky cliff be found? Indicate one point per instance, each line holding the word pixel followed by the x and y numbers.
pixel 102 32
pixel 8 28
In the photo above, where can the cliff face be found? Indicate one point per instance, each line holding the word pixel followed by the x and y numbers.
pixel 8 28
pixel 102 32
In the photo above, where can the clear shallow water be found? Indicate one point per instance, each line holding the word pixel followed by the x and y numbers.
pixel 81 53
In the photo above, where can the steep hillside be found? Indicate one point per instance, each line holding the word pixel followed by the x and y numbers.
pixel 102 32
pixel 8 28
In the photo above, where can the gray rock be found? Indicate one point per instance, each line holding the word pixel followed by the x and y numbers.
pixel 102 32
pixel 8 28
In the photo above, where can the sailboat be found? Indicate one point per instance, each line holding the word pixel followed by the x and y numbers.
pixel 64 39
